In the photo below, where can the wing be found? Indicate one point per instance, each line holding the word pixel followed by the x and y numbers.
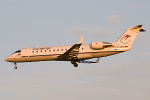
pixel 88 62
pixel 71 53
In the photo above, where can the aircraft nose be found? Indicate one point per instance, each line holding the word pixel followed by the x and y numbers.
pixel 6 59
pixel 9 58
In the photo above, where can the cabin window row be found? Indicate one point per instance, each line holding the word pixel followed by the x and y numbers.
pixel 47 50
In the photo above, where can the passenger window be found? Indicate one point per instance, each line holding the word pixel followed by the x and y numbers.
pixel 57 49
pixel 49 50
pixel 41 50
pixel 82 48
pixel 66 49
pixel 61 49
pixel 53 50
pixel 32 51
pixel 45 50
pixel 36 51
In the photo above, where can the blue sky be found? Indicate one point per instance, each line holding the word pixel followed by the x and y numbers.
pixel 31 23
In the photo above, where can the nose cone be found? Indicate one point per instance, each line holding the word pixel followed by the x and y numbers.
pixel 6 59
pixel 10 58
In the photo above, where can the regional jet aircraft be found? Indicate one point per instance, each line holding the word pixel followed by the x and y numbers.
pixel 77 53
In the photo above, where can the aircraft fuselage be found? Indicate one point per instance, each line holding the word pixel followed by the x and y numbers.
pixel 52 53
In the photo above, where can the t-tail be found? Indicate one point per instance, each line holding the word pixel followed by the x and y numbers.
pixel 130 34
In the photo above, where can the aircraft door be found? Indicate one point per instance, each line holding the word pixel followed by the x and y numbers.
pixel 25 52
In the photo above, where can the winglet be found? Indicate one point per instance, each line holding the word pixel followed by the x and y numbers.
pixel 81 40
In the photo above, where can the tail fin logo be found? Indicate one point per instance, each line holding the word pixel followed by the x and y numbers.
pixel 125 39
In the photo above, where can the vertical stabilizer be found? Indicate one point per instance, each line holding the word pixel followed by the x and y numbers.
pixel 130 34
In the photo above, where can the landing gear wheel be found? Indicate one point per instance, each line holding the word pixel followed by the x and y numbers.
pixel 75 65
pixel 15 67
pixel 72 61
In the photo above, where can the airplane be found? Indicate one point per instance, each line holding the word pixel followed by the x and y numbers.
pixel 77 53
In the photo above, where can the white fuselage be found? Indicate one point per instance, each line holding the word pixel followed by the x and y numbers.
pixel 52 53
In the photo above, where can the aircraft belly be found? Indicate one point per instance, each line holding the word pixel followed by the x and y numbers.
pixel 104 54
pixel 84 56
pixel 96 54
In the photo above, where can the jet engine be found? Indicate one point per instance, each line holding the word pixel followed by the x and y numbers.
pixel 100 45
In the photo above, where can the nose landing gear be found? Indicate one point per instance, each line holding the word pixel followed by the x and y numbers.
pixel 15 65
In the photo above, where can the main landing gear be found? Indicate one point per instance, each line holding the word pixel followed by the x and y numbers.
pixel 74 63
pixel 15 65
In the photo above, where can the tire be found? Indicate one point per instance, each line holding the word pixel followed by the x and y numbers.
pixel 15 67
pixel 72 61
pixel 75 65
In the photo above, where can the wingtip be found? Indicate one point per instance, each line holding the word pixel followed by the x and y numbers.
pixel 81 40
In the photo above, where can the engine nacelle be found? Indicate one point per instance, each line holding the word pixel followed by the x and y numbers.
pixel 99 45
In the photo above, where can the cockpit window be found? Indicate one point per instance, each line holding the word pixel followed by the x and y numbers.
pixel 18 51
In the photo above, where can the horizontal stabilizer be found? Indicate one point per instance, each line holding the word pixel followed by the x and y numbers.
pixel 142 30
